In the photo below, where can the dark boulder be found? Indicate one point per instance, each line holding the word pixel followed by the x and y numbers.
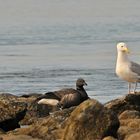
pixel 91 121
pixel 10 114
pixel 129 102
pixel 129 124
pixel 17 137
pixel 47 128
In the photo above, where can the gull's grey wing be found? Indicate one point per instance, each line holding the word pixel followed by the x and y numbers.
pixel 135 68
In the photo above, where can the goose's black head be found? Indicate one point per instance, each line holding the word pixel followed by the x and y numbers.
pixel 80 82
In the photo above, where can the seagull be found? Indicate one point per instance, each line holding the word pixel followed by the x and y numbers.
pixel 126 69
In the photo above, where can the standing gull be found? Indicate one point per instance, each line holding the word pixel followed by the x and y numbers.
pixel 126 69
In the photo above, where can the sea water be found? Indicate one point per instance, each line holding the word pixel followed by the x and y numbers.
pixel 47 56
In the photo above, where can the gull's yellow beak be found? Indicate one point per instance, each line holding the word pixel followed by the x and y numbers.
pixel 126 50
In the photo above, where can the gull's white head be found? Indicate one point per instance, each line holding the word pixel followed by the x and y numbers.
pixel 122 47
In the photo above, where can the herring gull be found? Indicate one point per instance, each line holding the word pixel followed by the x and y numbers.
pixel 126 69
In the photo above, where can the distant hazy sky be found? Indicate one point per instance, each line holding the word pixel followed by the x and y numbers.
pixel 33 10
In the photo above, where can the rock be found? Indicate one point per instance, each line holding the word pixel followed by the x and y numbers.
pixel 91 121
pixel 33 95
pixel 129 102
pixel 135 136
pixel 129 123
pixel 124 131
pixel 129 114
pixel 128 127
pixel 109 138
pixel 2 131
pixel 49 128
pixel 19 137
pixel 35 111
pixel 11 112
pixel 128 110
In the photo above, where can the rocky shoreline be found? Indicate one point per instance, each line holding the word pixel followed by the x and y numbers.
pixel 21 118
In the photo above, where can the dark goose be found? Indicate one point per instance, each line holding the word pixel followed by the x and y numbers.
pixel 68 97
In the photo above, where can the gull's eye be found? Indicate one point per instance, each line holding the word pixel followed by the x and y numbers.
pixel 121 46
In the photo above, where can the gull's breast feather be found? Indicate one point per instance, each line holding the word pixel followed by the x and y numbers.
pixel 123 71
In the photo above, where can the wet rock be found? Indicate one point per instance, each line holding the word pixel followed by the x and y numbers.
pixel 33 110
pixel 35 95
pixel 129 102
pixel 2 131
pixel 9 117
pixel 123 131
pixel 128 110
pixel 11 112
pixel 135 136
pixel 28 101
pixel 128 127
pixel 109 138
pixel 129 123
pixel 129 114
pixel 19 137
pixel 36 111
pixel 91 121
pixel 49 128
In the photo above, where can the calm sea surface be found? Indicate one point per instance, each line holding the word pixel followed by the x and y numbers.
pixel 42 57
